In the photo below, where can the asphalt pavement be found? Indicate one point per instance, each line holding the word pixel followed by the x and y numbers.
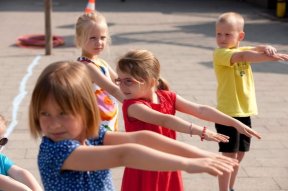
pixel 181 34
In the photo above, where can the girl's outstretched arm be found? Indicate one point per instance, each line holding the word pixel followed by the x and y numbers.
pixel 146 114
pixel 112 73
pixel 211 114
pixel 25 177
pixel 158 142
pixel 141 157
pixel 105 82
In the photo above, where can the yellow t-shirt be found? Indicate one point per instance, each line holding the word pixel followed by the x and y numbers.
pixel 235 91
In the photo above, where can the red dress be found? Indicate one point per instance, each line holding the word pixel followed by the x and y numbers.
pixel 141 180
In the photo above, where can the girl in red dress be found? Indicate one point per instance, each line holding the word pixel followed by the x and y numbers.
pixel 150 106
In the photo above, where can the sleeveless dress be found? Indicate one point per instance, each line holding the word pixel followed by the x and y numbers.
pixel 141 180
pixel 107 104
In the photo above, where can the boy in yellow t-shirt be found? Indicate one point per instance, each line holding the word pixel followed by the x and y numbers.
pixel 235 91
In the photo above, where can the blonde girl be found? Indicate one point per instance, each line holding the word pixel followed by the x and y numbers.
pixel 150 106
pixel 92 36
pixel 76 153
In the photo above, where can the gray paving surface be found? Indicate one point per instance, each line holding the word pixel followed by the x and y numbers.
pixel 181 34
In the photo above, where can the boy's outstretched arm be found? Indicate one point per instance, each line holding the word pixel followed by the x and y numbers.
pixel 256 57
pixel 267 49
pixel 25 177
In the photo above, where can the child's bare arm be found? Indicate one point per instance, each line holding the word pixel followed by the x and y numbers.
pixel 267 49
pixel 25 177
pixel 143 157
pixel 148 115
pixel 211 114
pixel 112 73
pixel 8 184
pixel 158 142
pixel 104 82
pixel 256 57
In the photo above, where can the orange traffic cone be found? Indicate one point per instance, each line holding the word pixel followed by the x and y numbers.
pixel 90 6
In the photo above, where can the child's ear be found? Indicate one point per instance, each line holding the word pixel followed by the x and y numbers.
pixel 153 82
pixel 241 35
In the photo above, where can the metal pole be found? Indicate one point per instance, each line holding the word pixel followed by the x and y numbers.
pixel 48 33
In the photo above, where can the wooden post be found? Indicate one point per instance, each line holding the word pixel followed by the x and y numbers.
pixel 48 33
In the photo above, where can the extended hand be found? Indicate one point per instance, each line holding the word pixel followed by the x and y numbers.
pixel 269 50
pixel 281 57
pixel 214 166
pixel 249 132
pixel 217 137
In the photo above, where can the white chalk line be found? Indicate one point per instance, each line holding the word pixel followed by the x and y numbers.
pixel 21 95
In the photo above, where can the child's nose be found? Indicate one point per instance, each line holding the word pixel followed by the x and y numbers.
pixel 98 41
pixel 55 123
pixel 221 38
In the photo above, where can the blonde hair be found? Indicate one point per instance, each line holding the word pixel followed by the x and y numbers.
pixel 142 65
pixel 232 18
pixel 83 27
pixel 70 85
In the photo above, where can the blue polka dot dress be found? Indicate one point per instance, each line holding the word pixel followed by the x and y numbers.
pixel 51 158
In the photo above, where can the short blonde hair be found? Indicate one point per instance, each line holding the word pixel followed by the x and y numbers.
pixel 232 18
pixel 83 27
pixel 70 85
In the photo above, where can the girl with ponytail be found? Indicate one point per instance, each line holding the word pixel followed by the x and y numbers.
pixel 149 105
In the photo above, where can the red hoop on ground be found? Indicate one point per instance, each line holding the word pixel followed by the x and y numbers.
pixel 37 41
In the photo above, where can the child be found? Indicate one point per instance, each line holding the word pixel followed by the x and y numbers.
pixel 76 154
pixel 149 107
pixel 13 177
pixel 235 92
pixel 92 36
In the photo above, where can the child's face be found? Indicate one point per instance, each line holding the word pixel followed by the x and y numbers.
pixel 59 125
pixel 131 87
pixel 97 40
pixel 228 35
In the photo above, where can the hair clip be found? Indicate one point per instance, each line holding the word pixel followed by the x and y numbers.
pixel 3 141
